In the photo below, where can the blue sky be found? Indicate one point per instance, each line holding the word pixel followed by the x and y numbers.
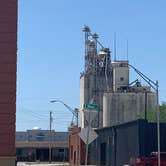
pixel 51 50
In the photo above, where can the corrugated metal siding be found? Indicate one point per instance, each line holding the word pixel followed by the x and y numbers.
pixel 127 143
pixel 8 60
pixel 133 139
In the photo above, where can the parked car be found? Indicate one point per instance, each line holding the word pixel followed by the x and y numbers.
pixel 151 160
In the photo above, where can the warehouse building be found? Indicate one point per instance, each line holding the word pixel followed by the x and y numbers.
pixel 116 145
pixel 33 145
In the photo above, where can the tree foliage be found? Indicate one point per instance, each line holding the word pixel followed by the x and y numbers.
pixel 152 115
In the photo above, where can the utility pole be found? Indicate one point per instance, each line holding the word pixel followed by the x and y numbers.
pixel 158 123
pixel 50 138
pixel 146 95
pixel 87 140
pixel 77 141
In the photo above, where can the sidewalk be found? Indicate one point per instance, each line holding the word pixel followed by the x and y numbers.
pixel 41 164
pixel 44 164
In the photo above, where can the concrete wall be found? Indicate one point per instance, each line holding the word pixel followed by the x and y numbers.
pixel 119 108
pixel 7 161
pixel 91 89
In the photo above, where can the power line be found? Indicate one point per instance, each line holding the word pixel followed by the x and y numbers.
pixel 35 113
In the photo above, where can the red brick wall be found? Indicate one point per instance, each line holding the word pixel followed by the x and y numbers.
pixel 8 60
pixel 76 145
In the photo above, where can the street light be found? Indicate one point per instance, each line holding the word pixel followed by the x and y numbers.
pixel 154 86
pixel 75 113
pixel 50 137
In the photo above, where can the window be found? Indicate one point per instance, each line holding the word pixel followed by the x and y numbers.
pixel 61 150
pixel 121 78
pixel 71 152
pixel 40 136
pixel 163 155
pixel 19 152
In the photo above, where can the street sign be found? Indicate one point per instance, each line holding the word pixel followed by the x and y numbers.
pixel 84 134
pixel 94 107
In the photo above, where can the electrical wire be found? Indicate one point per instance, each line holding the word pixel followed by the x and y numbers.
pixel 35 113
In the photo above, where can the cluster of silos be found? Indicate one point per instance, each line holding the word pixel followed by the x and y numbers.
pixel 8 61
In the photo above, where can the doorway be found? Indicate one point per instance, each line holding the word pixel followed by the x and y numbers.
pixel 103 153
pixel 42 154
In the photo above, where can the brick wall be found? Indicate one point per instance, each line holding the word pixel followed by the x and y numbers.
pixel 8 60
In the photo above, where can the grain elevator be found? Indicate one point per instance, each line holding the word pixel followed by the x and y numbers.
pixel 106 82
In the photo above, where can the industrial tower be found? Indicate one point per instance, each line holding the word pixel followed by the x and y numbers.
pixel 96 78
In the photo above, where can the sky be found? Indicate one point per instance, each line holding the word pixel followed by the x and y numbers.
pixel 51 51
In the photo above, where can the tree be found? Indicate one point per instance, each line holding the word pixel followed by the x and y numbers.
pixel 151 115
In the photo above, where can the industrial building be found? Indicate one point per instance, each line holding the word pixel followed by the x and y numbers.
pixel 116 145
pixel 8 65
pixel 34 145
pixel 95 79
pixel 105 82
pixel 119 103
